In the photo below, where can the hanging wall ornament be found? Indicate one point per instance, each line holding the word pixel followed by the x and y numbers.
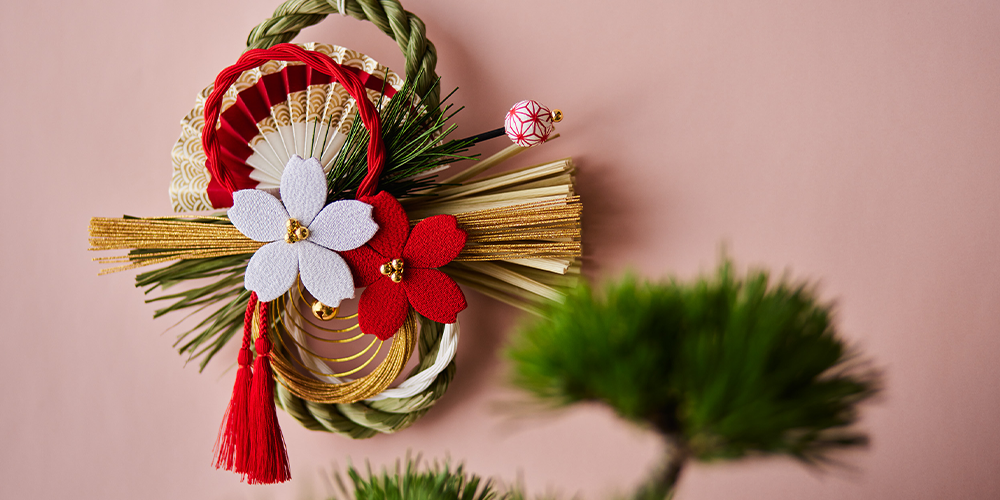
pixel 323 176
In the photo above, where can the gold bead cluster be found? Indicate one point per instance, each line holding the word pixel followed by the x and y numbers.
pixel 296 231
pixel 393 269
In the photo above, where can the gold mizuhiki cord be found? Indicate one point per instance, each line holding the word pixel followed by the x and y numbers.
pixel 548 229
pixel 545 229
pixel 302 386
pixel 163 239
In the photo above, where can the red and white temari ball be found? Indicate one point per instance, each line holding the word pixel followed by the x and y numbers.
pixel 528 123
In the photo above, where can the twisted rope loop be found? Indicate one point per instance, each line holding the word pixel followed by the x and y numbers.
pixel 388 15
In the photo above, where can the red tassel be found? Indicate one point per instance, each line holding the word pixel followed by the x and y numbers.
pixel 268 461
pixel 233 441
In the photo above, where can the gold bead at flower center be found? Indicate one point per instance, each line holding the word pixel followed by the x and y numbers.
pixel 296 231
pixel 393 269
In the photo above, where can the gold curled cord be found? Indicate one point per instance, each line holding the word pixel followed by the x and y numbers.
pixel 331 330
pixel 282 329
pixel 356 390
pixel 283 304
pixel 306 302
pixel 305 318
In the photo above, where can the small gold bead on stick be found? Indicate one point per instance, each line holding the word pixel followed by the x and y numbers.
pixel 323 312
pixel 557 115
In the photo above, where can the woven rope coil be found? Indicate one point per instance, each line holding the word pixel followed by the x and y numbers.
pixel 367 418
pixel 388 15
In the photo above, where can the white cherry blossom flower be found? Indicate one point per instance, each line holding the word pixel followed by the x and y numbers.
pixel 304 235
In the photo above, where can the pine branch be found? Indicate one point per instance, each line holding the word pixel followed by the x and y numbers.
pixel 414 136
pixel 414 482
pixel 730 366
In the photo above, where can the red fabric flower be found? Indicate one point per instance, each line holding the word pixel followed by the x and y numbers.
pixel 432 243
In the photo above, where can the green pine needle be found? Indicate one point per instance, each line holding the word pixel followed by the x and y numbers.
pixel 729 366
pixel 225 292
pixel 414 139
pixel 413 482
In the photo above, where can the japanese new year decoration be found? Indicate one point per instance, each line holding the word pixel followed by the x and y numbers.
pixel 318 180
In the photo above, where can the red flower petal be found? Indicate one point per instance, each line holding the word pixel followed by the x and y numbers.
pixel 433 294
pixel 393 226
pixel 434 242
pixel 364 263
pixel 382 309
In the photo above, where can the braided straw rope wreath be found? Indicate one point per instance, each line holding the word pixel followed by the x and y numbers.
pixel 367 418
pixel 388 15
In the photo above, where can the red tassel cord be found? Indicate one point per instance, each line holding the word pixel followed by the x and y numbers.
pixel 268 461
pixel 233 441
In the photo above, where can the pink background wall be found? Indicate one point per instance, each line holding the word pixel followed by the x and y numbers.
pixel 855 142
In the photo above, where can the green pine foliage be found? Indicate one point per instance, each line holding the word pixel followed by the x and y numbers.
pixel 414 138
pixel 438 482
pixel 222 295
pixel 724 366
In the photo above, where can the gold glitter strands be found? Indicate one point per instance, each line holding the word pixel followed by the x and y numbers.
pixel 162 239
pixel 540 230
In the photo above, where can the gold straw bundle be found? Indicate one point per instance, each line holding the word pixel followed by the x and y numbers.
pixel 162 239
pixel 523 230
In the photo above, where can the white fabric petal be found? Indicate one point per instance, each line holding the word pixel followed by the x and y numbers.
pixel 325 274
pixel 272 270
pixel 303 189
pixel 258 215
pixel 343 225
